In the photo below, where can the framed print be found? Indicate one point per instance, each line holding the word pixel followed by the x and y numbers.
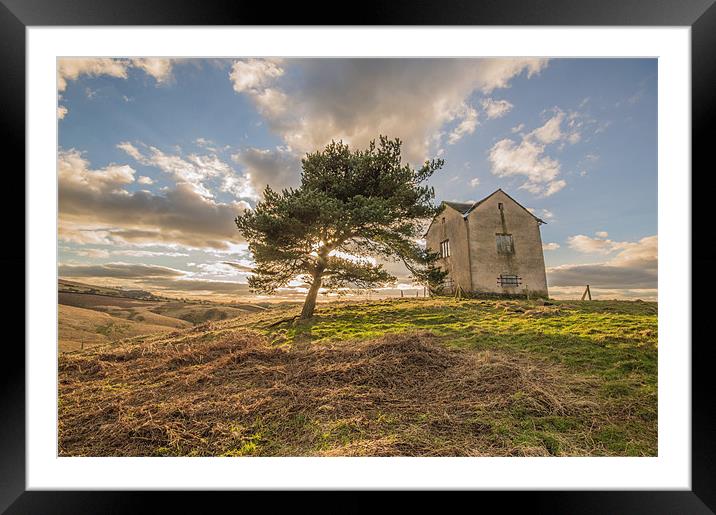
pixel 449 250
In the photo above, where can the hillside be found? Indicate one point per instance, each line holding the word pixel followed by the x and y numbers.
pixel 91 315
pixel 81 328
pixel 416 377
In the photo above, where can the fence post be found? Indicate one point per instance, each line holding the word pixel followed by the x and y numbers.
pixel 587 292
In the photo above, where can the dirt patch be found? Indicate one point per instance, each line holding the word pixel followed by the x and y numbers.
pixel 234 394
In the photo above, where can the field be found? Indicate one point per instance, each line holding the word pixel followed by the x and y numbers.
pixel 411 377
pixel 92 315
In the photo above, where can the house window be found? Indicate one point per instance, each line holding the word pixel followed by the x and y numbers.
pixel 509 281
pixel 445 249
pixel 505 245
pixel 499 206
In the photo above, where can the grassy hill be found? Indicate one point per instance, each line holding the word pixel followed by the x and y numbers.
pixel 91 315
pixel 416 377
pixel 81 328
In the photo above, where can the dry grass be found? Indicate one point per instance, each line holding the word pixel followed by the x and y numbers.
pixel 232 393
pixel 84 328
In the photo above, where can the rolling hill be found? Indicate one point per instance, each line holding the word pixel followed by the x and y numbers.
pixel 92 315
pixel 410 377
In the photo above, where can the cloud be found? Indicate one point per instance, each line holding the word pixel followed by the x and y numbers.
pixel 600 293
pixel 528 157
pixel 61 112
pixel 70 69
pixel 145 180
pixel 95 208
pixel 589 245
pixel 181 286
pixel 153 277
pixel 553 187
pixel 468 121
pixel 633 266
pixel 160 69
pixel 525 159
pixel 194 170
pixel 496 108
pixel 244 266
pixel 551 131
pixel 118 270
pixel 73 68
pixel 550 246
pixel 147 253
pixel 279 168
pixel 357 99
pixel 92 253
pixel 254 75
pixel 601 276
pixel 602 234
pixel 475 182
pixel 74 174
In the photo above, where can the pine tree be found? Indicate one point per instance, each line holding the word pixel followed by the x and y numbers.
pixel 351 208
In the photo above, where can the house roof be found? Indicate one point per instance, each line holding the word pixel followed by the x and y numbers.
pixel 466 208
pixel 459 206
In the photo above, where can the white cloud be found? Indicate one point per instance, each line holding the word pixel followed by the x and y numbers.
pixel 475 182
pixel 71 69
pixel 468 122
pixel 61 112
pixel 145 180
pixel 496 108
pixel 73 171
pixel 95 207
pixel 550 246
pixel 517 128
pixel 193 170
pixel 553 187
pixel 634 266
pixel 551 131
pixel 160 69
pixel 602 234
pixel 357 99
pixel 528 157
pixel 254 75
pixel 600 245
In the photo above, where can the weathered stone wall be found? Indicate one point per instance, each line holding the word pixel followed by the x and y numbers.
pixel 476 267
pixel 527 261
pixel 454 230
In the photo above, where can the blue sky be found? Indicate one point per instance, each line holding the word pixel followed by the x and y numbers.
pixel 156 154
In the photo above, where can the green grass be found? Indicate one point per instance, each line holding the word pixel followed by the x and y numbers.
pixel 604 354
pixel 615 339
pixel 610 343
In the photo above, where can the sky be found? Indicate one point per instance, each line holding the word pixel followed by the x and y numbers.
pixel 157 156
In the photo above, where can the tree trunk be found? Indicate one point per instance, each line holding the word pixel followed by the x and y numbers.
pixel 310 304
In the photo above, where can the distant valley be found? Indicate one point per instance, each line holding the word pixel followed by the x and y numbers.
pixel 90 315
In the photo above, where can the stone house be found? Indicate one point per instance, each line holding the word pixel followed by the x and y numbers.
pixel 489 247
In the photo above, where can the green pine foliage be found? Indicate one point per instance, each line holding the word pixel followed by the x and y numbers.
pixel 350 204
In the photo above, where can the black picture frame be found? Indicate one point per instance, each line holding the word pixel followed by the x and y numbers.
pixel 17 15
